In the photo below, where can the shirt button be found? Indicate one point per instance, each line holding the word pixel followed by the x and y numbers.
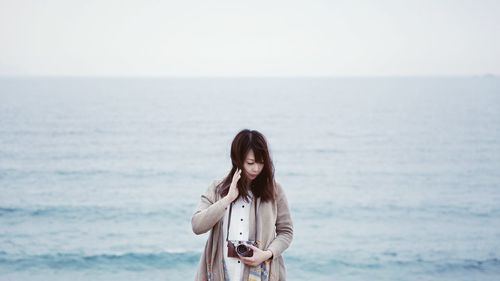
pixel 243 206
pixel 241 233
pixel 239 261
pixel 241 219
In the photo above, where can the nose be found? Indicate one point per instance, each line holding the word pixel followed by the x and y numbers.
pixel 257 168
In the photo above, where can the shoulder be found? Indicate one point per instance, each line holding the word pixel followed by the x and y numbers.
pixel 280 198
pixel 213 188
pixel 217 182
pixel 278 189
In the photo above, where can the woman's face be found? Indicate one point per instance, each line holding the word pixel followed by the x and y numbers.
pixel 252 169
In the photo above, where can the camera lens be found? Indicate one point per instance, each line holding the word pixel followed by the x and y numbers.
pixel 244 251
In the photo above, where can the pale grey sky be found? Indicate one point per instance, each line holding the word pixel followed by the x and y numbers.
pixel 249 38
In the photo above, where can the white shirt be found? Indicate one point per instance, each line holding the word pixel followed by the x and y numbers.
pixel 238 230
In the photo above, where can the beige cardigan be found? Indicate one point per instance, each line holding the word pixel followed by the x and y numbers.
pixel 274 233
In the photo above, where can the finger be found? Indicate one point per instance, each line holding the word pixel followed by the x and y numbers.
pixel 242 258
pixel 247 260
pixel 253 247
pixel 247 263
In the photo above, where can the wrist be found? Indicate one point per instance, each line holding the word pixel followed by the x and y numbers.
pixel 227 200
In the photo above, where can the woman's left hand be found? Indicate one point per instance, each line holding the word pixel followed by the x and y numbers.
pixel 258 257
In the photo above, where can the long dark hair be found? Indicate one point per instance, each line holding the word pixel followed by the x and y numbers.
pixel 263 185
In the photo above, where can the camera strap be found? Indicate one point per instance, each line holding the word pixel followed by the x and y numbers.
pixel 229 218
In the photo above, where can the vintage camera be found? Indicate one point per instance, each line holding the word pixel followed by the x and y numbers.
pixel 237 249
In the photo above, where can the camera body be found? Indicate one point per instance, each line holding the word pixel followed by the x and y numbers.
pixel 237 249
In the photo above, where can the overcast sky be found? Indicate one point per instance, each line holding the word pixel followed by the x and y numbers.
pixel 249 38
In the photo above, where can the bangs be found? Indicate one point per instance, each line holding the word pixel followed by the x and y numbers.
pixel 259 154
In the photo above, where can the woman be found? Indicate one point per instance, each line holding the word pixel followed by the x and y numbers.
pixel 247 215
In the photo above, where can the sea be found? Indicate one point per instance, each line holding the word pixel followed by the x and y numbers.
pixel 387 178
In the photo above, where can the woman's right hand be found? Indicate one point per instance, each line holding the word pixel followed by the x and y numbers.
pixel 233 189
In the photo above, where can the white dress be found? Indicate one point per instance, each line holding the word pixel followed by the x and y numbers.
pixel 238 230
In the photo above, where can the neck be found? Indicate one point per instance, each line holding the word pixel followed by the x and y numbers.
pixel 249 185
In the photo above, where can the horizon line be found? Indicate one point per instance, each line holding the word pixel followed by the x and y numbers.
pixel 485 75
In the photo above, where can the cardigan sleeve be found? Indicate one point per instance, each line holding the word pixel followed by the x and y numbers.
pixel 284 225
pixel 208 212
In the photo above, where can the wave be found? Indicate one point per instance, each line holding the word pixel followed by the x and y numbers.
pixel 169 260
pixel 93 212
pixel 387 211
pixel 491 265
pixel 301 211
pixel 126 261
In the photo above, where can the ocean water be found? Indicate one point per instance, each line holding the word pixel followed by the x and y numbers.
pixel 387 178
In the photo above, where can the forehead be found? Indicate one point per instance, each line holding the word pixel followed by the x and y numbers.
pixel 251 156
